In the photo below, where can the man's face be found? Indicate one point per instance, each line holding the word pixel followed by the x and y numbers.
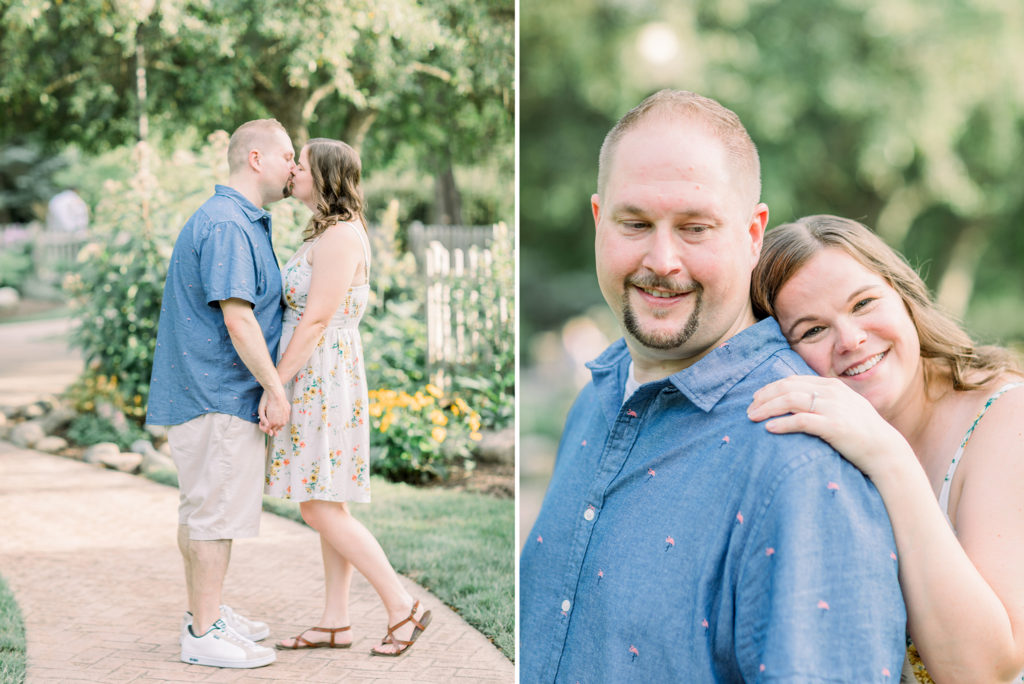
pixel 676 242
pixel 277 161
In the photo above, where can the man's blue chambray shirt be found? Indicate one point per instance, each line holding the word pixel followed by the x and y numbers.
pixel 681 542
pixel 223 252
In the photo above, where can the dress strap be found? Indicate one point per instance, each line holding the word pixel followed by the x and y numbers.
pixel 364 240
pixel 309 249
pixel 944 492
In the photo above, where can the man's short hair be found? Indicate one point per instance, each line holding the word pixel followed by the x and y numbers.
pixel 248 136
pixel 691 107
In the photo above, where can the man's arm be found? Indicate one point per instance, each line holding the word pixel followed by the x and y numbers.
pixel 247 337
pixel 818 598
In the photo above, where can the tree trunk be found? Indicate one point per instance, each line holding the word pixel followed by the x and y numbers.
pixel 447 199
pixel 143 113
pixel 357 126
pixel 957 282
pixel 285 105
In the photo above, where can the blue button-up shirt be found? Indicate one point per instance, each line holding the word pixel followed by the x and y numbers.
pixel 223 252
pixel 681 542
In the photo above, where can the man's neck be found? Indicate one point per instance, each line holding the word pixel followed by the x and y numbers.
pixel 650 364
pixel 648 370
pixel 247 187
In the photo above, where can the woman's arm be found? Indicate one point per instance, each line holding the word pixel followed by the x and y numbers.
pixel 974 632
pixel 338 255
pixel 965 598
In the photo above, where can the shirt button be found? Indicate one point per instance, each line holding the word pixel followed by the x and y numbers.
pixel 588 514
pixel 566 605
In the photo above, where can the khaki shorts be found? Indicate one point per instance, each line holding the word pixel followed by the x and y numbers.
pixel 220 461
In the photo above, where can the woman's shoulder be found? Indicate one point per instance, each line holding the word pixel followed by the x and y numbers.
pixel 341 235
pixel 1004 398
pixel 994 415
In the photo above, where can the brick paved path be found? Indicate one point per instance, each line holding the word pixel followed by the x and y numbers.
pixel 91 557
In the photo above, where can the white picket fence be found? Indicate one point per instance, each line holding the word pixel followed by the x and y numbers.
pixel 53 253
pixel 458 322
pixel 452 237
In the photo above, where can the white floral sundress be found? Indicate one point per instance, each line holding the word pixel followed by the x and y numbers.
pixel 324 451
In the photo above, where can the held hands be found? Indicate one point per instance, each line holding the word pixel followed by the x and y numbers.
pixel 827 408
pixel 273 411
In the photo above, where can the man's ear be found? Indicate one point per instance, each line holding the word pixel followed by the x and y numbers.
pixel 255 160
pixel 595 207
pixel 758 223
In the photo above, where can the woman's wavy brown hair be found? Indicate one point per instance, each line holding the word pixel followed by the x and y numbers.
pixel 336 171
pixel 948 350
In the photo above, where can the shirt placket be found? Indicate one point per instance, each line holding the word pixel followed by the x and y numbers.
pixel 616 451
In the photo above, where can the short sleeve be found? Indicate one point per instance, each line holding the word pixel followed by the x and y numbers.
pixel 819 597
pixel 227 264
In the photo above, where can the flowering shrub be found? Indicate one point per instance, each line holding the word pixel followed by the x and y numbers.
pixel 487 303
pixel 419 436
pixel 16 263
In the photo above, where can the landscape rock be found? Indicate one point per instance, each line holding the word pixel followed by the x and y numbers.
pixel 126 462
pixel 9 298
pixel 51 444
pixel 151 458
pixel 33 411
pixel 98 452
pixel 497 447
pixel 58 418
pixel 48 403
pixel 159 432
pixel 26 434
pixel 154 460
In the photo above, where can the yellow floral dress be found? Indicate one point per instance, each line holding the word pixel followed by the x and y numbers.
pixel 324 451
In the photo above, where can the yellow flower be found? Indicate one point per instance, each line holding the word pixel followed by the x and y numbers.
pixel 434 390
pixel 385 423
pixel 475 436
pixel 455 409
pixel 474 422
pixel 437 417
pixel 439 434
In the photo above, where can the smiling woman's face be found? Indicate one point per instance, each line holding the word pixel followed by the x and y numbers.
pixel 847 322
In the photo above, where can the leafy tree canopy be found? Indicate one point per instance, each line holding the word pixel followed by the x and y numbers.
pixel 905 114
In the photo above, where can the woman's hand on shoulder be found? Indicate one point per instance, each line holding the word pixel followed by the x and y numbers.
pixel 827 408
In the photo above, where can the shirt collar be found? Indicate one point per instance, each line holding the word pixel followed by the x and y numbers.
pixel 253 212
pixel 705 382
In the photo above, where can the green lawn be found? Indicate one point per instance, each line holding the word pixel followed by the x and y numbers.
pixel 458 545
pixel 12 638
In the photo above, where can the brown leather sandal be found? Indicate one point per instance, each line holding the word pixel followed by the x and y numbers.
pixel 298 642
pixel 403 646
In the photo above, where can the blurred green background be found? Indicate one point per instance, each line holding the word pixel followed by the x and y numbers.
pixel 905 114
pixel 423 88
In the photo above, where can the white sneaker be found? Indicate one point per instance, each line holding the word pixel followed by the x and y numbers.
pixel 253 630
pixel 221 647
